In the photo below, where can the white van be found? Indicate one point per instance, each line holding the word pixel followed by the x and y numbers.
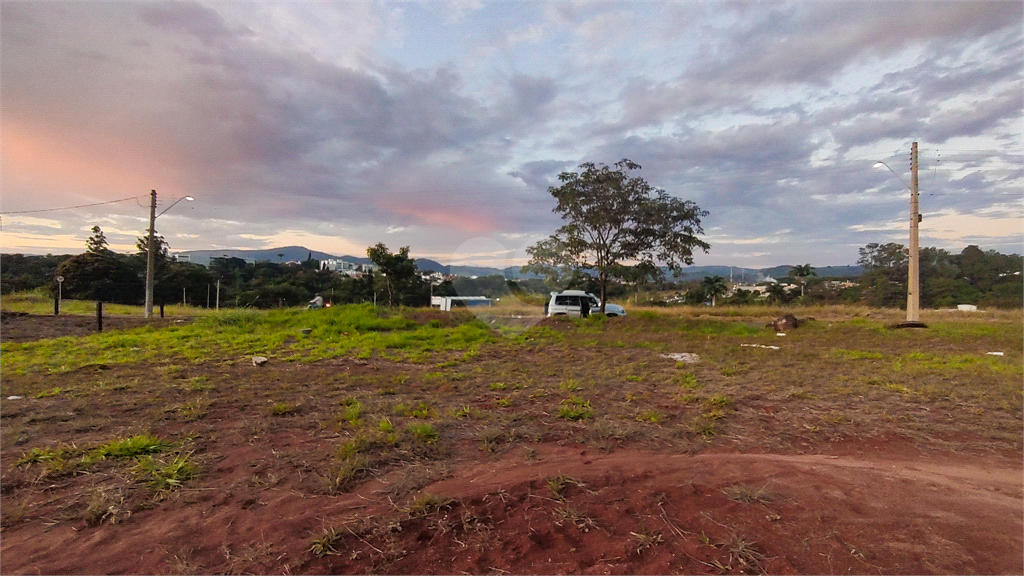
pixel 569 303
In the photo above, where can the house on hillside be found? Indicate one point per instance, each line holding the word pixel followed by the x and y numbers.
pixel 347 268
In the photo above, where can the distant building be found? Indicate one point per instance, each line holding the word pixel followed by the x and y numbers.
pixel 347 268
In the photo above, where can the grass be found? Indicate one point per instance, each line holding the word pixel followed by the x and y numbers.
pixel 426 503
pixel 340 331
pixel 746 494
pixel 575 408
pixel 165 474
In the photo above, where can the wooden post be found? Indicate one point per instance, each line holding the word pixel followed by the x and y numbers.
pixel 99 316
pixel 56 305
pixel 161 309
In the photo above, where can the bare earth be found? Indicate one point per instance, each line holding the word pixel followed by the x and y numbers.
pixel 864 504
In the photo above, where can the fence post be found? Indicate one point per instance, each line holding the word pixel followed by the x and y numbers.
pixel 56 305
pixel 161 309
pixel 99 316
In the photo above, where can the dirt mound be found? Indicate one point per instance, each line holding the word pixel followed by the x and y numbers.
pixel 546 508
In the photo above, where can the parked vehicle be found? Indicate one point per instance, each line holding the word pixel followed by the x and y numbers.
pixel 572 302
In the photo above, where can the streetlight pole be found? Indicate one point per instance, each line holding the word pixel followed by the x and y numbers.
pixel 913 268
pixel 914 280
pixel 149 247
pixel 149 254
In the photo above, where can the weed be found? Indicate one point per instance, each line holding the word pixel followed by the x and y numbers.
pixel 714 414
pixel 464 412
pixel 634 378
pixel 353 413
pixel 746 494
pixel 834 418
pixel 323 544
pixel 385 425
pixel 721 401
pixel 42 455
pixel 503 402
pixel 282 409
pixel 645 538
pixel 581 521
pixel 855 354
pixel 103 507
pixel 570 385
pixel 704 427
pixel 557 486
pixel 744 552
pixel 341 476
pixel 194 410
pixel 426 503
pixel 490 437
pixel 399 379
pixel 423 432
pixel 51 392
pixel 689 381
pixel 575 408
pixel 498 386
pixel 729 370
pixel 198 384
pixel 652 416
pixel 387 392
pixel 421 410
pixel 163 475
pixel 130 447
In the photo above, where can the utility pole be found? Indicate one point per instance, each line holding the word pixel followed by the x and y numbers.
pixel 914 280
pixel 149 255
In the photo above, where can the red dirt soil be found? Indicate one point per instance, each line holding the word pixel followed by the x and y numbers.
pixel 890 510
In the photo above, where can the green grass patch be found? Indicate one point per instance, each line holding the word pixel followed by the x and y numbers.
pixel 575 408
pixel 856 354
pixel 357 329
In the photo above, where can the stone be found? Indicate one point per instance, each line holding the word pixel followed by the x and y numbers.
pixel 259 360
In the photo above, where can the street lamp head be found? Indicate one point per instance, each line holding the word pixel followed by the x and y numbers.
pixel 189 198
pixel 878 164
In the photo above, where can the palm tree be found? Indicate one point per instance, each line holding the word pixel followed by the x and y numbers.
pixel 776 293
pixel 802 271
pixel 714 286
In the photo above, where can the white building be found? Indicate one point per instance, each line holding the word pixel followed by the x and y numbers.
pixel 347 268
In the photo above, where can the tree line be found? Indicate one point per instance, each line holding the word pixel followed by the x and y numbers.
pixel 102 274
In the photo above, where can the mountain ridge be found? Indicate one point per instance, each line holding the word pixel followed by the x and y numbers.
pixel 299 253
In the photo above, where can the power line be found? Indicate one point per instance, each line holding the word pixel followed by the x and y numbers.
pixel 72 207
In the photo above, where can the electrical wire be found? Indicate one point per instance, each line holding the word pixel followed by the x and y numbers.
pixel 73 207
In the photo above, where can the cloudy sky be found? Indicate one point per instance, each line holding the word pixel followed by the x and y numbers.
pixel 440 125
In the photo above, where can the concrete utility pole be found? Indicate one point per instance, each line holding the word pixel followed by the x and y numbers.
pixel 914 279
pixel 149 254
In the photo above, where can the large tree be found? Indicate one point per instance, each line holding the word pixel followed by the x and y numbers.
pixel 802 272
pixel 714 286
pixel 397 272
pixel 615 221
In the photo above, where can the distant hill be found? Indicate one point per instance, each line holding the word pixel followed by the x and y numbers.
pixel 300 253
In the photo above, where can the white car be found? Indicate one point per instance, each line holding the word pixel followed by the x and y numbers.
pixel 569 302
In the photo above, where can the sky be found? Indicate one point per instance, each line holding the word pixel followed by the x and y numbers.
pixel 441 125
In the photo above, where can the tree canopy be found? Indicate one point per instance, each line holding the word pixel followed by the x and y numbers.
pixel 614 222
pixel 397 274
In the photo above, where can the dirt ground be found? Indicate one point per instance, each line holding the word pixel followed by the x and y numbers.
pixel 16 327
pixel 543 497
